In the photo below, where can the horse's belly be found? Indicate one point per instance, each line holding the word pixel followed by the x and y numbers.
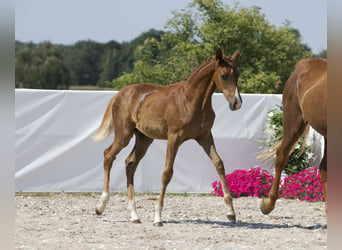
pixel 155 129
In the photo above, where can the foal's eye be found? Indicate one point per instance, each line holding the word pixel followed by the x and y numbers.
pixel 224 77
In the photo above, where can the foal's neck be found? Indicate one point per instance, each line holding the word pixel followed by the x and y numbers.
pixel 201 85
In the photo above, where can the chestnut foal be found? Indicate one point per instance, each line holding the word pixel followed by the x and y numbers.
pixel 176 113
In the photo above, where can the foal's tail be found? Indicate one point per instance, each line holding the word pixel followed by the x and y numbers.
pixel 106 126
pixel 266 154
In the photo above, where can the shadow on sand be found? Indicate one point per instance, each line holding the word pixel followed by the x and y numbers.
pixel 241 224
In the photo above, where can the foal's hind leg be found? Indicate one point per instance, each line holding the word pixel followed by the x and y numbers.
pixel 172 148
pixel 141 145
pixel 120 141
pixel 209 147
pixel 294 127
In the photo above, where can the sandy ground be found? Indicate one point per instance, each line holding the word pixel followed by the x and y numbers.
pixel 68 221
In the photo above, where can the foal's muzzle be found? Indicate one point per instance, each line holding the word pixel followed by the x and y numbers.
pixel 234 101
pixel 236 105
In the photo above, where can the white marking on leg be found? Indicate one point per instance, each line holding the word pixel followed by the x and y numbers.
pixel 157 215
pixel 132 208
pixel 101 206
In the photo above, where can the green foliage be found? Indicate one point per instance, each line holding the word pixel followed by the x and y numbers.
pixel 268 54
pixel 84 63
pixel 93 63
pixel 41 66
pixel 300 157
pixel 83 59
pixel 322 54
pixel 119 61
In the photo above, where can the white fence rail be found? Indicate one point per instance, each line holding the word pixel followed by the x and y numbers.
pixel 54 150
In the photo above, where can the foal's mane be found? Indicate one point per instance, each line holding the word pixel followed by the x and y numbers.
pixel 200 68
pixel 226 59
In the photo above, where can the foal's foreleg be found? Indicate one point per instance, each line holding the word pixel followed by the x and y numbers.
pixel 209 147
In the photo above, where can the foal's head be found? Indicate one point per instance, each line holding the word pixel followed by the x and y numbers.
pixel 226 77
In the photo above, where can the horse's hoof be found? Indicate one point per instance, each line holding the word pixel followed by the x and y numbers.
pixel 158 224
pixel 263 207
pixel 231 218
pixel 137 221
pixel 98 212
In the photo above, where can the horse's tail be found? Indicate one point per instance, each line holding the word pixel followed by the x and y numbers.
pixel 106 126
pixel 271 151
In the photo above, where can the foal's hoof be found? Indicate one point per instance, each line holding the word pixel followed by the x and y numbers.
pixel 98 212
pixel 231 218
pixel 265 207
pixel 158 224
pixel 136 221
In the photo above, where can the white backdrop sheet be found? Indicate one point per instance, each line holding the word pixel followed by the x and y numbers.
pixel 54 151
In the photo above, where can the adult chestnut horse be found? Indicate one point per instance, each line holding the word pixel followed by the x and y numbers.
pixel 178 112
pixel 304 104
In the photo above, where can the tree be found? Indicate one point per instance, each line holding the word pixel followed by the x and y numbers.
pixel 84 60
pixel 121 60
pixel 85 63
pixel 41 66
pixel 268 54
pixel 323 54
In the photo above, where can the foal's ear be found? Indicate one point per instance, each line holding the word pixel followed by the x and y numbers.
pixel 235 56
pixel 219 55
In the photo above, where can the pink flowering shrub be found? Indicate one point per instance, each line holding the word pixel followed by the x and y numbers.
pixel 305 185
pixel 254 182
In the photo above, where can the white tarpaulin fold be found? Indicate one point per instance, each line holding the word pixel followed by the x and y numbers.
pixel 54 150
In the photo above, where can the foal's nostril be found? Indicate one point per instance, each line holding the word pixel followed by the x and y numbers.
pixel 235 104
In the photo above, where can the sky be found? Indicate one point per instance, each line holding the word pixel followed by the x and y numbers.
pixel 69 21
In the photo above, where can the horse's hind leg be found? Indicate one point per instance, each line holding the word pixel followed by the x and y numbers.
pixel 294 127
pixel 120 141
pixel 141 145
pixel 172 148
pixel 324 175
